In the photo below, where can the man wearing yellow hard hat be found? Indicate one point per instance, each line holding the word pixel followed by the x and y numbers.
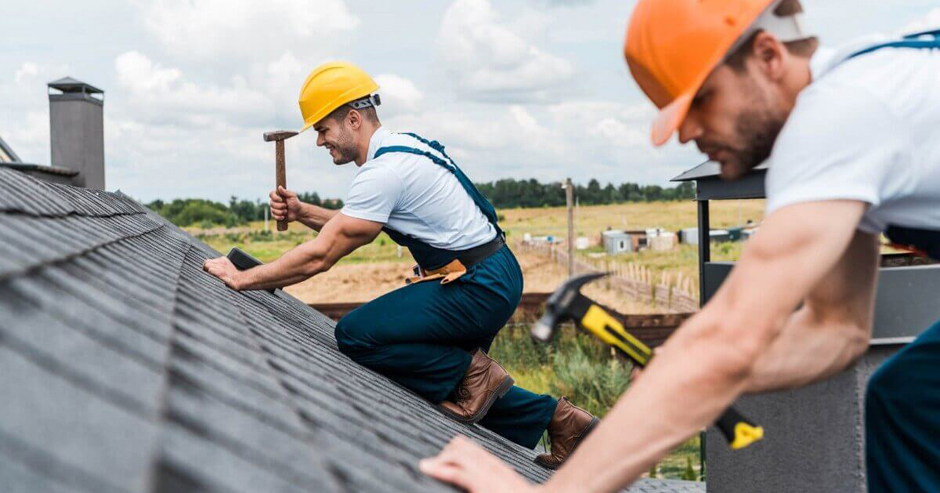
pixel 851 138
pixel 432 335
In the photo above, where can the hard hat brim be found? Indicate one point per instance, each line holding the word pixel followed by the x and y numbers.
pixel 670 117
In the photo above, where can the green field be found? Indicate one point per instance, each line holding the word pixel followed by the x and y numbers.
pixel 589 221
pixel 269 246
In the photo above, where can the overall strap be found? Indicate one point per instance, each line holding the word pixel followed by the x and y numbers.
pixel 488 210
pixel 909 41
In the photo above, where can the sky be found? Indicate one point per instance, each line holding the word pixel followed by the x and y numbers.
pixel 513 88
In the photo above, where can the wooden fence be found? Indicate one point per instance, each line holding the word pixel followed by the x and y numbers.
pixel 675 294
pixel 651 328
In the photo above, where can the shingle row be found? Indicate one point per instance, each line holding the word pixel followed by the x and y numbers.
pixel 21 193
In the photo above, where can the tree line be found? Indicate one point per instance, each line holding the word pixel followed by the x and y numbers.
pixel 510 193
pixel 505 193
pixel 206 213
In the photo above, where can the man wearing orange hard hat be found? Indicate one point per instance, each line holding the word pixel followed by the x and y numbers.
pixel 851 138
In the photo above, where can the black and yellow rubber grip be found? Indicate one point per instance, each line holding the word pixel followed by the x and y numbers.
pixel 737 430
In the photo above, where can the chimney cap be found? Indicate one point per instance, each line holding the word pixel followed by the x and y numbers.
pixel 70 85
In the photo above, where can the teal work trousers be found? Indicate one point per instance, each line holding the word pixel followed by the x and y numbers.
pixel 421 336
pixel 902 419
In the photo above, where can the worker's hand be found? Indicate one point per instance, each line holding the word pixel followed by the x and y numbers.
pixel 467 465
pixel 224 269
pixel 285 204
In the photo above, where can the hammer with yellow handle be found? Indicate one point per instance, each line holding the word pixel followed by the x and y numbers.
pixel 567 303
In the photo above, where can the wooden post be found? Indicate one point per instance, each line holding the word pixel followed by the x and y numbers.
pixel 569 199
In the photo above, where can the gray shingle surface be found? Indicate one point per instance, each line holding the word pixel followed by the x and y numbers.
pixel 124 367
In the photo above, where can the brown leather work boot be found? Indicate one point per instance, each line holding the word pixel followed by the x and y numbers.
pixel 484 382
pixel 568 426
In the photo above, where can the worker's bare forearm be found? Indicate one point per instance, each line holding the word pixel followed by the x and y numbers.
pixel 315 217
pixel 297 265
pixel 832 328
pixel 339 237
pixel 807 351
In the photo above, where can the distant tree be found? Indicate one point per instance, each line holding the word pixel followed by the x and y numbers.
pixel 245 210
pixel 508 193
pixel 310 198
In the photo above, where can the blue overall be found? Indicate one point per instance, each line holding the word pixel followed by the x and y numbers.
pixel 421 335
pixel 902 402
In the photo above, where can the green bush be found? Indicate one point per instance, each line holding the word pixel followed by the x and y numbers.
pixel 587 376
pixel 579 367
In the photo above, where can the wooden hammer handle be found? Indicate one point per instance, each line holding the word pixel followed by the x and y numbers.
pixel 281 173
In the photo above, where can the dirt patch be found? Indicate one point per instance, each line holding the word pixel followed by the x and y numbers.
pixel 363 282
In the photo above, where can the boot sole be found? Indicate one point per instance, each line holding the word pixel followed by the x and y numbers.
pixel 500 391
pixel 587 431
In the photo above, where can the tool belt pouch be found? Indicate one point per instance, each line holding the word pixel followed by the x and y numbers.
pixel 447 274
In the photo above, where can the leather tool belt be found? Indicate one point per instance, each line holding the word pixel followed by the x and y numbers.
pixel 458 267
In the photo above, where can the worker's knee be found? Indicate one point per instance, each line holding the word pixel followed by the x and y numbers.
pixel 351 334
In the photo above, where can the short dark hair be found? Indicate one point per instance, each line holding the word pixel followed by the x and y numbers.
pixel 803 48
pixel 339 114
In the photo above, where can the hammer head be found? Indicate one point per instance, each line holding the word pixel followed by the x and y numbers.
pixel 558 308
pixel 277 135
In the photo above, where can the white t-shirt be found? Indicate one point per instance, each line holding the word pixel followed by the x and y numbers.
pixel 866 129
pixel 414 196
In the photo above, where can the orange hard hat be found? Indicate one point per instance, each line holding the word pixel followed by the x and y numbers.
pixel 672 46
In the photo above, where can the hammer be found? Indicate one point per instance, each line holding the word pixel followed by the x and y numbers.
pixel 567 303
pixel 279 136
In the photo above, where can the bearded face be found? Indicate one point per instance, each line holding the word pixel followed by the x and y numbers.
pixel 735 120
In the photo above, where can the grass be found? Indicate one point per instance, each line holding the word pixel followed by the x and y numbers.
pixel 268 246
pixel 589 220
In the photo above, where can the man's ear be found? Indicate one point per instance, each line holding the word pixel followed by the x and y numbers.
pixel 770 55
pixel 354 119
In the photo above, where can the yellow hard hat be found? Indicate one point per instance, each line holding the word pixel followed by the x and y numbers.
pixel 330 86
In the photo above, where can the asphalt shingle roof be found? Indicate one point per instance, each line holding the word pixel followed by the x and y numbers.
pixel 124 367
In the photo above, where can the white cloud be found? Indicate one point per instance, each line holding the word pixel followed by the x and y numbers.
pixel 159 94
pixel 27 70
pixel 244 29
pixel 606 140
pixel 139 74
pixel 192 84
pixel 929 21
pixel 24 112
pixel 486 59
pixel 399 95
